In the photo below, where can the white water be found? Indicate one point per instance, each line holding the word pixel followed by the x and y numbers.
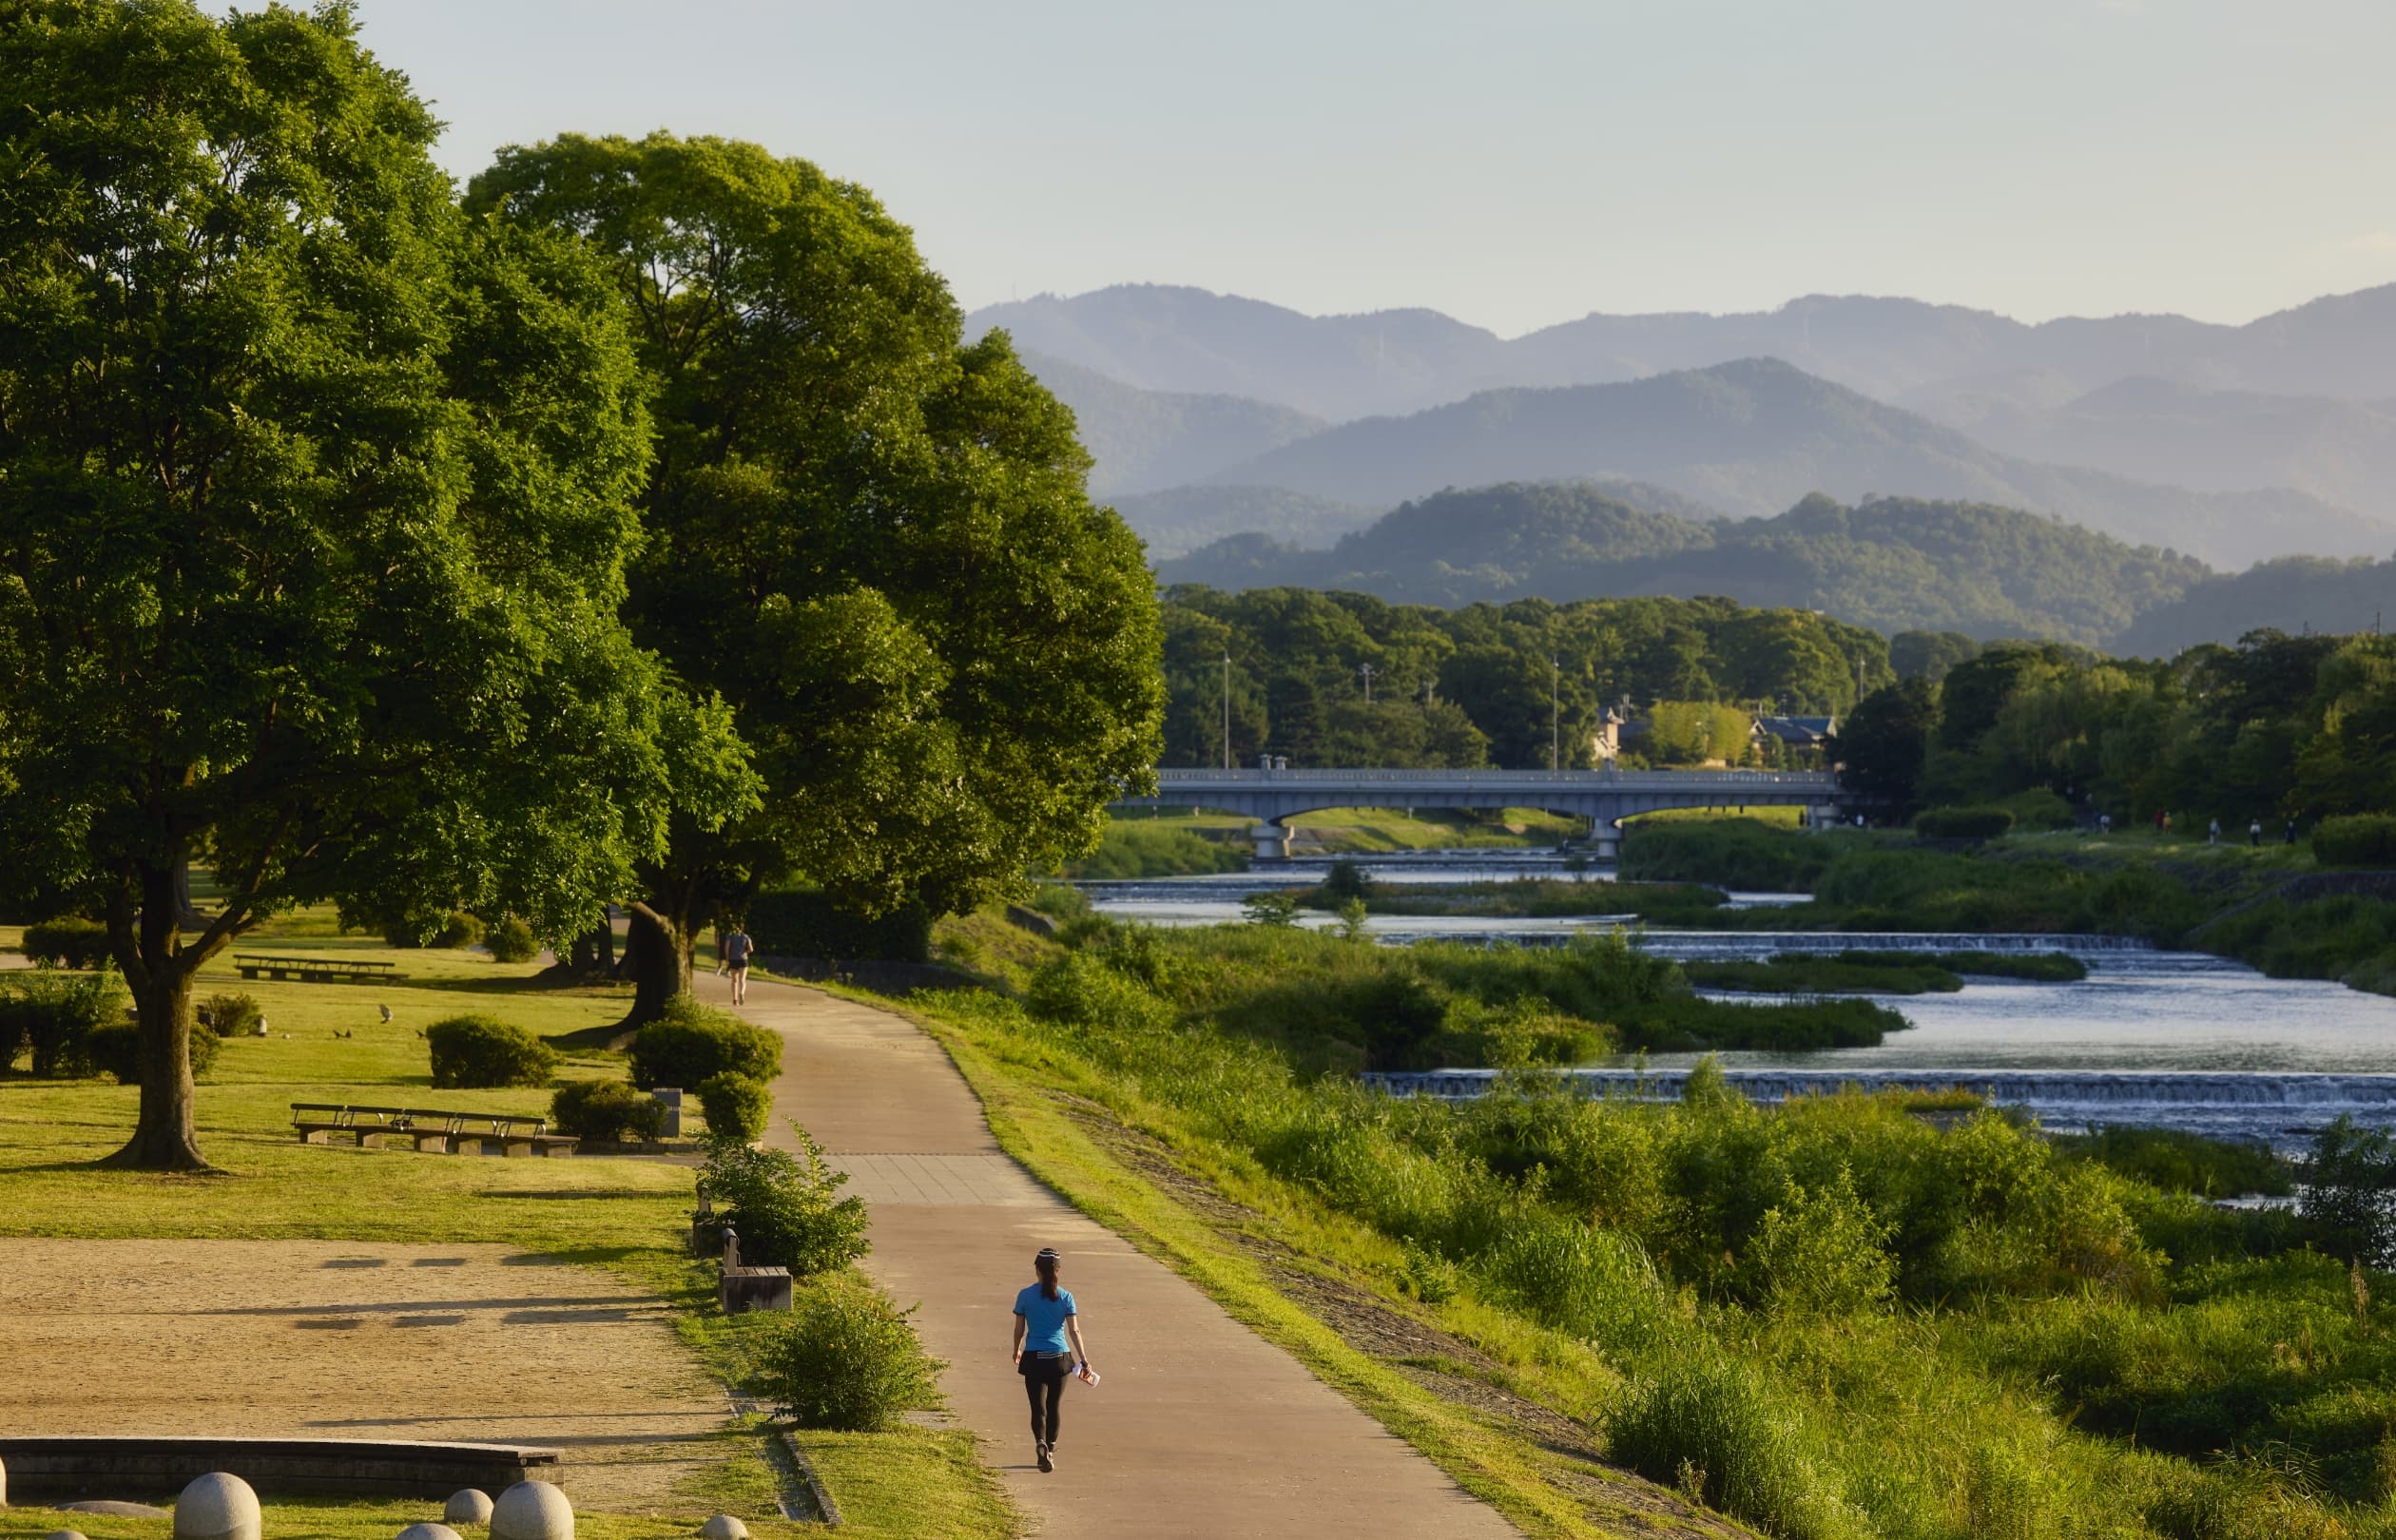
pixel 2157 1038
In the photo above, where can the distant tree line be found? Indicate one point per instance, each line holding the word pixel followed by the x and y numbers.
pixel 1485 685
pixel 2276 727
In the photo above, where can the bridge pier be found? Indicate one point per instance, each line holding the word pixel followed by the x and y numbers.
pixel 1272 841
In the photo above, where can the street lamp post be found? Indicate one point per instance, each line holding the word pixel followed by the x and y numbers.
pixel 1555 714
pixel 1368 671
pixel 1226 710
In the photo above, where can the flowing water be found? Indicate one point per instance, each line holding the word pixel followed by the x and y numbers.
pixel 2167 1039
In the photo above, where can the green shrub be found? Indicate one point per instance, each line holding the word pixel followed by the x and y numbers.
pixel 456 929
pixel 1712 1428
pixel 845 1358
pixel 1343 883
pixel 808 922
pixel 53 1014
pixel 609 1110
pixel 736 1106
pixel 1962 822
pixel 2361 840
pixel 231 1015
pixel 692 1043
pixel 2350 1191
pixel 115 1049
pixel 1273 908
pixel 479 1052
pixel 2039 808
pixel 1820 1251
pixel 67 943
pixel 512 941
pixel 787 1209
pixel 1060 901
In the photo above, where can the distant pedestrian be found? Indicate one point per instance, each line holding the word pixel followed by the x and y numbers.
pixel 1045 1319
pixel 2291 831
pixel 737 948
pixel 2254 834
pixel 2212 835
pixel 2104 823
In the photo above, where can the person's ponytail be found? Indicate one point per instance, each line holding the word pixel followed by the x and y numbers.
pixel 1045 1265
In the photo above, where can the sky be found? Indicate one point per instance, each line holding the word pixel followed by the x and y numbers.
pixel 1515 162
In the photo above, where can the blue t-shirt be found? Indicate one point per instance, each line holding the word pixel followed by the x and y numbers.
pixel 1044 1319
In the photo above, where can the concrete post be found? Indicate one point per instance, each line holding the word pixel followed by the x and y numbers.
pixel 1272 841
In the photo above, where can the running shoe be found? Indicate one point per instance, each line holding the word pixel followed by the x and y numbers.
pixel 1048 1458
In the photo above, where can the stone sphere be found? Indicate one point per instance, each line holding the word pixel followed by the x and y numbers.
pixel 427 1532
pixel 467 1507
pixel 723 1527
pixel 532 1510
pixel 217 1507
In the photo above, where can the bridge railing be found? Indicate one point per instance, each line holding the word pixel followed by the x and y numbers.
pixel 1495 780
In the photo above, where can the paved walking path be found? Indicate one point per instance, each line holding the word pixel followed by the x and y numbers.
pixel 1202 1429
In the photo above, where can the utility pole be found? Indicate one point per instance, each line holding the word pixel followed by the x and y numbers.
pixel 1555 713
pixel 1368 671
pixel 1226 710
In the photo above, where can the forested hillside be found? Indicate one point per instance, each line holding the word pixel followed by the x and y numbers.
pixel 1894 564
pixel 1754 436
pixel 2296 594
pixel 1483 684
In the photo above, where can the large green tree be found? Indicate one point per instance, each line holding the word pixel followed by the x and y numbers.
pixel 871 534
pixel 313 500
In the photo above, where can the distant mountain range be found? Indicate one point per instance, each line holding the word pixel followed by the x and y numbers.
pixel 2235 443
pixel 1396 362
pixel 1897 563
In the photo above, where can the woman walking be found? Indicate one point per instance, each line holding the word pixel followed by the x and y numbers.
pixel 737 948
pixel 1044 1319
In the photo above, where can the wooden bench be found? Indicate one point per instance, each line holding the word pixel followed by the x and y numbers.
pixel 317 970
pixel 448 1133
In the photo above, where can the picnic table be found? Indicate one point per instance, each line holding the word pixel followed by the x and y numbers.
pixel 315 970
pixel 448 1133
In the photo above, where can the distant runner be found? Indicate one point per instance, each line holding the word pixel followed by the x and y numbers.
pixel 737 948
pixel 1044 1318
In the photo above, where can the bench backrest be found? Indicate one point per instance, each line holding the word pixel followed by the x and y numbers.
pixel 503 1125
pixel 334 964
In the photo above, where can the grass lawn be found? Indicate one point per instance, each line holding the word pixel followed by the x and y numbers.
pixel 1365 829
pixel 327 1041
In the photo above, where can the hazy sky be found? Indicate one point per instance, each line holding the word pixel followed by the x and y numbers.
pixel 1517 163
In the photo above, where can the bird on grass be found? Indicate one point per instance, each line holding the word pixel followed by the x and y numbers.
pixel 386 1014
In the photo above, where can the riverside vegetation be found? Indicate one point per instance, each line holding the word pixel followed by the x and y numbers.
pixel 2273 909
pixel 1834 1318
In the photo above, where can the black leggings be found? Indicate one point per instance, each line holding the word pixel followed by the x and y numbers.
pixel 1044 1378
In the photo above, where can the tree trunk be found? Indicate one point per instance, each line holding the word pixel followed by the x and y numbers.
pixel 164 1137
pixel 657 950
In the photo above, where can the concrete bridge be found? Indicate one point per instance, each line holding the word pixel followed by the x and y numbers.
pixel 1603 796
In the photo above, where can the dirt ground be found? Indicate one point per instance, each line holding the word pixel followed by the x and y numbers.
pixel 334 1339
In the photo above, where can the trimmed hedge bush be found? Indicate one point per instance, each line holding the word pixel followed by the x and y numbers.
pixel 736 1106
pixel 845 1358
pixel 1964 823
pixel 115 1049
pixel 455 929
pixel 2361 840
pixel 605 1109
pixel 479 1052
pixel 512 941
pixel 67 943
pixel 692 1044
pixel 55 1013
pixel 230 1016
pixel 808 922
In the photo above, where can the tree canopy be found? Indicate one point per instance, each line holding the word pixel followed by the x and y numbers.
pixel 314 502
pixel 871 536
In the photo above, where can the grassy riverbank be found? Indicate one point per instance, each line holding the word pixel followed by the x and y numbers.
pixel 1836 1319
pixel 1182 842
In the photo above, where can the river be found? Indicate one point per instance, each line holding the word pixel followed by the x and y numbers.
pixel 2172 1039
